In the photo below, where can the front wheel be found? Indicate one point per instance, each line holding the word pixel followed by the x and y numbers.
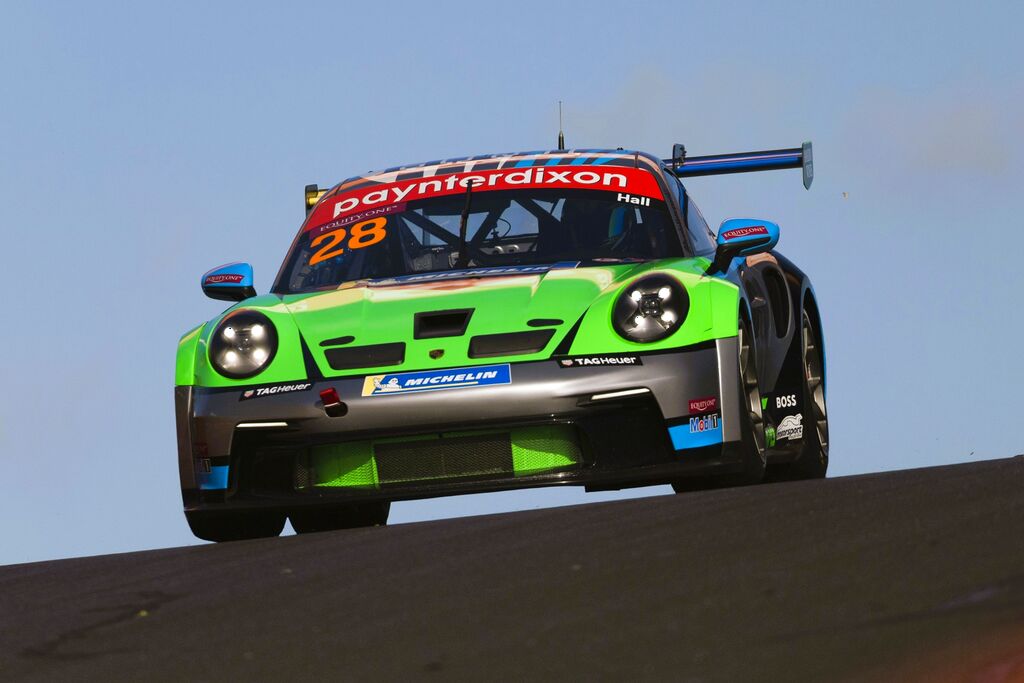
pixel 348 516
pixel 235 525
pixel 752 447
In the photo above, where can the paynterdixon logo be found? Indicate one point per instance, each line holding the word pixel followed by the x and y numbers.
pixel 436 380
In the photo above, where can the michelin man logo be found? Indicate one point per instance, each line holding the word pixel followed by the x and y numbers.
pixel 391 385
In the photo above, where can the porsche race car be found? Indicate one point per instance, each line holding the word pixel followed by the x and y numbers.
pixel 501 322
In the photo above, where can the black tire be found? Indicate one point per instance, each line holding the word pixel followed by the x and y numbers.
pixel 754 456
pixel 235 526
pixel 813 460
pixel 752 447
pixel 350 516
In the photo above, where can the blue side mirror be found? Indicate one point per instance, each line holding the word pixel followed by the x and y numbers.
pixel 231 282
pixel 743 237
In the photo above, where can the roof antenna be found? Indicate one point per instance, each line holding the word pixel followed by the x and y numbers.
pixel 561 135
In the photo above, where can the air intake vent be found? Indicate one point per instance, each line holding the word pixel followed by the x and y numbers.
pixel 376 355
pixel 434 324
pixel 448 458
pixel 509 343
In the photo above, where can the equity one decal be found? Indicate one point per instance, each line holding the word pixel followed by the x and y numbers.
pixel 219 279
pixel 637 181
pixel 703 405
pixel 745 232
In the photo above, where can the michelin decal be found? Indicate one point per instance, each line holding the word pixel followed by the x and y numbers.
pixel 436 380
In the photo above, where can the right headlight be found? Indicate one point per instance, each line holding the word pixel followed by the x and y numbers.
pixel 650 309
pixel 243 344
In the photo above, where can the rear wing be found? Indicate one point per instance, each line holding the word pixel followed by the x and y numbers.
pixel 743 162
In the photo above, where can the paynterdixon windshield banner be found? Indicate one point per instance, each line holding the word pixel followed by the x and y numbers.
pixel 633 181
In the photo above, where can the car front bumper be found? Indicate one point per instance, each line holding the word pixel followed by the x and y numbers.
pixel 633 426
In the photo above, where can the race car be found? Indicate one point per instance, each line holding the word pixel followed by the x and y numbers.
pixel 501 322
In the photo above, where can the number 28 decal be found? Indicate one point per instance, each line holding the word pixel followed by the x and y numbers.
pixel 364 234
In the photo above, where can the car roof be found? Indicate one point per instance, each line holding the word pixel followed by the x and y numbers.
pixel 555 157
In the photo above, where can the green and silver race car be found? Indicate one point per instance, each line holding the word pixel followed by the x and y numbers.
pixel 501 322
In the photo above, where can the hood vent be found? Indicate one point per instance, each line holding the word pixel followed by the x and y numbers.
pixel 375 355
pixel 509 343
pixel 435 324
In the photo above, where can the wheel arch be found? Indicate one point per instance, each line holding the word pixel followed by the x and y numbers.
pixel 810 304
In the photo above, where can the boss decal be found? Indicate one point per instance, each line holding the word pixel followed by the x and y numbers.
pixel 274 390
pixel 595 361
pixel 788 401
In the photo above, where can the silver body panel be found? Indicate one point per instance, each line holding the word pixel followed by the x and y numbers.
pixel 208 418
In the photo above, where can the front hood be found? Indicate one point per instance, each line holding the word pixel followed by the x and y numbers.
pixel 543 298
pixel 383 311
pixel 574 303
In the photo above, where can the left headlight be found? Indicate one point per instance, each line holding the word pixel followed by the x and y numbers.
pixel 650 309
pixel 243 344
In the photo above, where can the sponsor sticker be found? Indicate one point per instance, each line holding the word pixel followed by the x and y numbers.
pixel 598 361
pixel 274 390
pixel 703 405
pixel 744 232
pixel 223 278
pixel 791 427
pixel 788 401
pixel 633 181
pixel 630 199
pixel 436 380
pixel 356 217
pixel 705 430
pixel 704 424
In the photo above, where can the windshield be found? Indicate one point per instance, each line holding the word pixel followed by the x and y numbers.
pixel 410 228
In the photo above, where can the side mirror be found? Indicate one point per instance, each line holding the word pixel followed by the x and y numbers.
pixel 743 237
pixel 231 282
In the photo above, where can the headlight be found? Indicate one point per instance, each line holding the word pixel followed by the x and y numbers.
pixel 650 309
pixel 243 344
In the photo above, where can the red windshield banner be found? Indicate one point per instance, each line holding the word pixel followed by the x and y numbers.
pixel 628 182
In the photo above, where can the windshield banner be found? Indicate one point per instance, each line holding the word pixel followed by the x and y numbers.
pixel 626 181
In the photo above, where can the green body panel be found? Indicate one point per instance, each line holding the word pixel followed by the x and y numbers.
pixel 346 464
pixel 185 364
pixel 540 449
pixel 384 314
pixel 534 450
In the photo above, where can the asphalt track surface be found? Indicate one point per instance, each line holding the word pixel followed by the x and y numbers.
pixel 910 575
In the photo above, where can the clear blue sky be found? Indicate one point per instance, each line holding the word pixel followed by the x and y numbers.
pixel 143 143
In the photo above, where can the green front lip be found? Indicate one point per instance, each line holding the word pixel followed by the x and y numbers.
pixel 375 314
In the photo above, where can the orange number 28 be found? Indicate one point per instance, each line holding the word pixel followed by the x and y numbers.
pixel 331 249
pixel 364 234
